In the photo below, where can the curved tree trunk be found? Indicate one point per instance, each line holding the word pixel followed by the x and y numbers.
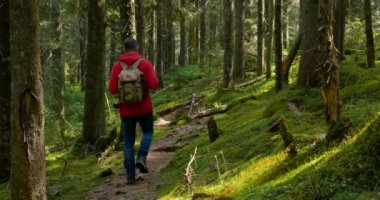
pixel 369 34
pixel 278 44
pixel 28 178
pixel 94 106
pixel 238 70
pixel 227 10
pixel 5 92
pixel 287 63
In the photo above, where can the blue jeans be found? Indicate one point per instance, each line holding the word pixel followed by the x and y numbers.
pixel 129 133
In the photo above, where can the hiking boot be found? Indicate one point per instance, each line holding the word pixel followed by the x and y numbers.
pixel 141 164
pixel 130 180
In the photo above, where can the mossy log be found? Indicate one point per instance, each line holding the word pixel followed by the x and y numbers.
pixel 213 131
pixel 257 79
pixel 224 108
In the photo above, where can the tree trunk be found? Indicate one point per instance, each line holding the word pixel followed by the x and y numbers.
pixel 310 51
pixel 182 51
pixel 202 32
pixel 140 24
pixel 213 130
pixel 171 35
pixel 113 55
pixel 285 26
pixel 94 106
pixel 260 37
pixel 159 45
pixel 82 21
pixel 287 63
pixel 227 10
pixel 330 90
pixel 369 34
pixel 127 19
pixel 238 70
pixel 151 51
pixel 58 69
pixel 269 11
pixel 28 177
pixel 278 44
pixel 5 92
pixel 339 26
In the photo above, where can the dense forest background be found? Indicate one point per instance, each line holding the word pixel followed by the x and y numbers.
pixel 292 88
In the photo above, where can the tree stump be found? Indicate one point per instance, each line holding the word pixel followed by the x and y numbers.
pixel 286 136
pixel 213 131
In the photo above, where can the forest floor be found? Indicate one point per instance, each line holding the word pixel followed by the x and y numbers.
pixel 162 151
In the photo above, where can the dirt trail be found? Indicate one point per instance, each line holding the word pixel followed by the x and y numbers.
pixel 161 153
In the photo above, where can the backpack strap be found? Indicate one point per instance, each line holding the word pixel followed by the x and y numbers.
pixel 137 63
pixel 123 65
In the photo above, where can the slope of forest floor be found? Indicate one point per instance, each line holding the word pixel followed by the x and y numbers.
pixel 247 161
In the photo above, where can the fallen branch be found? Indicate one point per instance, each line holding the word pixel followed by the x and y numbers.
pixel 190 173
pixel 164 89
pixel 223 108
pixel 257 79
pixel 178 106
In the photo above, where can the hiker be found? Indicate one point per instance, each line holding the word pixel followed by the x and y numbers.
pixel 131 78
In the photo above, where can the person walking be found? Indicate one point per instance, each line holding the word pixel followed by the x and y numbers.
pixel 131 78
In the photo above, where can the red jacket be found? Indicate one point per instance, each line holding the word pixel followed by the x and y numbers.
pixel 146 67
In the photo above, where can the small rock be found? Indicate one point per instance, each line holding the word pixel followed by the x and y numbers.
pixel 119 192
pixel 107 172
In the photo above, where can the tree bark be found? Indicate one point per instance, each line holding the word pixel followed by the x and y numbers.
pixel 340 26
pixel 112 55
pixel 28 177
pixel 369 34
pixel 5 92
pixel 330 90
pixel 260 37
pixel 151 49
pixel 310 51
pixel 182 53
pixel 159 44
pixel 82 22
pixel 58 69
pixel 269 13
pixel 202 32
pixel 227 76
pixel 140 24
pixel 278 44
pixel 94 106
pixel 127 19
pixel 238 71
pixel 285 27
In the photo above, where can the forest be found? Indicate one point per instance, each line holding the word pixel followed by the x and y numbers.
pixel 255 99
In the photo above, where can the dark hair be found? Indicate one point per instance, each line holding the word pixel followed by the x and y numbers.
pixel 130 44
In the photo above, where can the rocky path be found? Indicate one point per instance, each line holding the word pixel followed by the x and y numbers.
pixel 114 187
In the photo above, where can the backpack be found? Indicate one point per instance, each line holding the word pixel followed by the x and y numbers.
pixel 131 86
